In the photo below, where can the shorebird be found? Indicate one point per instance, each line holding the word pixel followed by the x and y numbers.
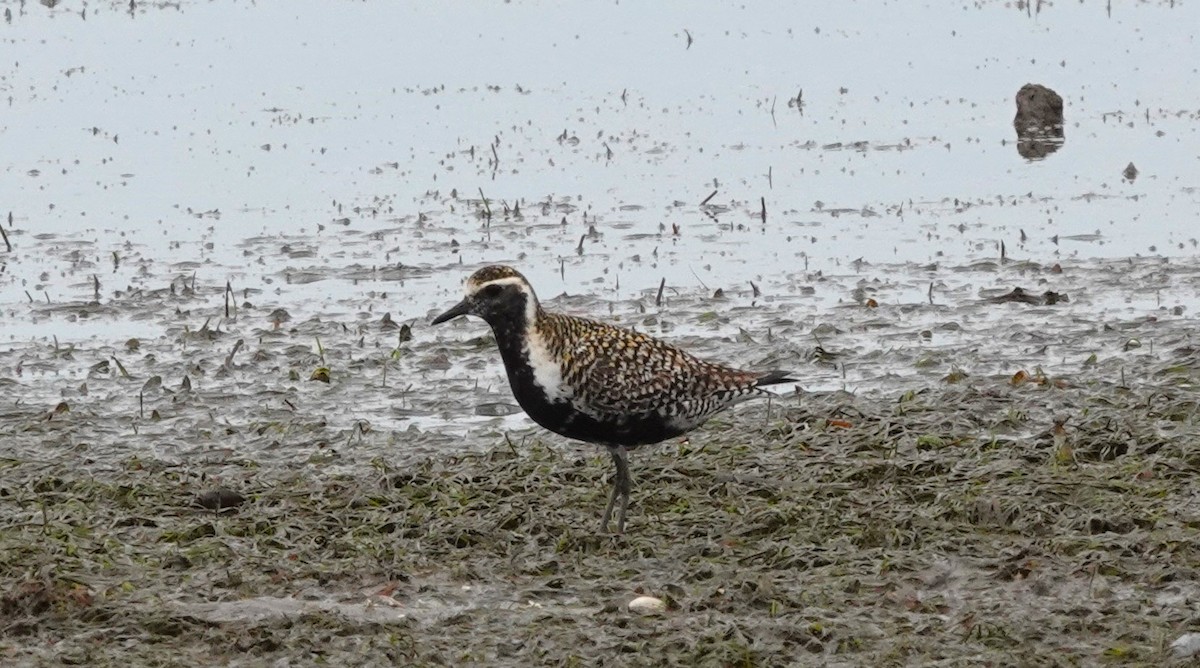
pixel 596 382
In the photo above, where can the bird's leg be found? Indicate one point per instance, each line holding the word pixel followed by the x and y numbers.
pixel 612 498
pixel 621 488
pixel 626 486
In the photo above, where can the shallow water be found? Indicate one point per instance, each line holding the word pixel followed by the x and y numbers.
pixel 147 134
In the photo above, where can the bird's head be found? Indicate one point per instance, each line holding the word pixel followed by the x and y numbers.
pixel 498 294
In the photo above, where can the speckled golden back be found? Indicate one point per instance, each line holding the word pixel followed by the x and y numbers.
pixel 617 371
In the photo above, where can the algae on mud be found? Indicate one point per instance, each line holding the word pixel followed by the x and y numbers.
pixel 1034 506
pixel 1008 482
pixel 939 526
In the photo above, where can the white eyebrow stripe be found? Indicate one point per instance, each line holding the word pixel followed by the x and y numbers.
pixel 472 288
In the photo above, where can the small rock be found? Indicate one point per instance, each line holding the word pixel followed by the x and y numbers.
pixel 1186 645
pixel 1130 172
pixel 647 605
pixel 220 499
pixel 497 409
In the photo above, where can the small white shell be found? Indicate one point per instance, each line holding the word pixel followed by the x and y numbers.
pixel 647 605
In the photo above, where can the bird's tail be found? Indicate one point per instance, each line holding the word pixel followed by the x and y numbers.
pixel 775 378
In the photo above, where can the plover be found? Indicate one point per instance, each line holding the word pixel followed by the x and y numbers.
pixel 596 382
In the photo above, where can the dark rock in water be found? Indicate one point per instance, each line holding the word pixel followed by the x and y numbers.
pixel 220 499
pixel 1130 173
pixel 1020 295
pixel 1039 121
pixel 1038 109
pixel 1051 297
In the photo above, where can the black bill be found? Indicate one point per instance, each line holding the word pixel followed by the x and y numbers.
pixel 461 308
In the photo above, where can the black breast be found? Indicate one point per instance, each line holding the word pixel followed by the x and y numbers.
pixel 561 417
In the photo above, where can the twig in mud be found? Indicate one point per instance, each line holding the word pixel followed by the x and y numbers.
pixel 710 196
pixel 5 235
pixel 773 122
pixel 96 287
pixel 661 286
pixel 495 155
pixel 1003 253
pixel 120 367
pixel 236 347
pixel 510 445
pixel 579 248
pixel 763 201
pixel 931 293
pixel 228 291
pixel 30 296
pixel 818 340
pixel 770 181
pixel 487 210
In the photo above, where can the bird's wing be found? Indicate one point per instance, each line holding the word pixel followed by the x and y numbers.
pixel 617 371
pixel 611 387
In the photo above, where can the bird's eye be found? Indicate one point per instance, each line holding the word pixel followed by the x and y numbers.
pixel 491 291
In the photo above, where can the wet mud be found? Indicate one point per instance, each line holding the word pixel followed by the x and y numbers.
pixel 978 479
